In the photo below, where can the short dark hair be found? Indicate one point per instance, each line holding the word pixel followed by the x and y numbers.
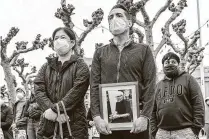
pixel 68 31
pixel 3 95
pixel 120 6
pixel 170 55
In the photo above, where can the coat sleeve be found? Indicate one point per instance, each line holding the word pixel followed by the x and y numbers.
pixel 94 83
pixel 149 82
pixel 40 89
pixel 197 103
pixel 153 121
pixel 9 119
pixel 80 86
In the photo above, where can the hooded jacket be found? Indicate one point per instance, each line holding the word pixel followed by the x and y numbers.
pixel 178 104
pixel 6 120
pixel 68 83
pixel 134 63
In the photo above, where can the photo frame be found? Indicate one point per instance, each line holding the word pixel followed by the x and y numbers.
pixel 119 104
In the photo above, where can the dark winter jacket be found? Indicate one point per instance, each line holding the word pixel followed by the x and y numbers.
pixel 68 83
pixel 32 109
pixel 6 121
pixel 179 104
pixel 134 63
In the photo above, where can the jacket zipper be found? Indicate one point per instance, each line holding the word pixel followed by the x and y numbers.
pixel 119 62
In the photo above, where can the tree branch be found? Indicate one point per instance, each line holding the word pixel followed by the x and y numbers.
pixel 97 17
pixel 37 44
pixel 160 12
pixel 145 15
pixel 19 73
pixel 165 30
pixel 194 39
pixel 139 23
pixel 64 13
pixel 33 70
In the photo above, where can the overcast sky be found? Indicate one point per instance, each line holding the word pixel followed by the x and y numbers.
pixel 34 17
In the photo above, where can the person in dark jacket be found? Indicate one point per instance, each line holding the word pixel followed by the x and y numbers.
pixel 123 111
pixel 123 60
pixel 63 78
pixel 33 112
pixel 6 118
pixel 179 107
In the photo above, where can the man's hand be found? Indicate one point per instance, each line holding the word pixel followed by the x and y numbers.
pixel 139 125
pixel 62 118
pixel 102 126
pixel 50 115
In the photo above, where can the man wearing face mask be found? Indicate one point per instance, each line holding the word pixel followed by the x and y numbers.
pixel 179 107
pixel 123 60
pixel 19 121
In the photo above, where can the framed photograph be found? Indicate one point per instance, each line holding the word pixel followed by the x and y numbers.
pixel 119 104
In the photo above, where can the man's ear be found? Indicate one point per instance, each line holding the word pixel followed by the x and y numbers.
pixel 72 41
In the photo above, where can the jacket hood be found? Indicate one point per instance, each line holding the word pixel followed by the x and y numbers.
pixel 180 74
pixel 54 61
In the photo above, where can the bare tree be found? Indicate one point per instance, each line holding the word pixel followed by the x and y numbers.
pixel 190 54
pixel 19 66
pixel 8 61
pixel 64 13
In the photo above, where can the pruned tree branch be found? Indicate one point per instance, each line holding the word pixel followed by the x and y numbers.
pixel 22 46
pixel 176 10
pixel 145 15
pixel 33 70
pixel 12 33
pixel 139 23
pixel 64 13
pixel 97 17
pixel 160 12
pixel 194 39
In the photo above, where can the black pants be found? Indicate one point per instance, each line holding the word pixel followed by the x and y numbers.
pixel 126 135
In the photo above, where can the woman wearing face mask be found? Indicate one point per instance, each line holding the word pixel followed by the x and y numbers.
pixel 6 118
pixel 63 78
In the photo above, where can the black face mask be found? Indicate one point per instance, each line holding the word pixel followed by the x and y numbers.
pixel 171 71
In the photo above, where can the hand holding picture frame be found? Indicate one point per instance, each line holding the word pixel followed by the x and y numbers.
pixel 119 104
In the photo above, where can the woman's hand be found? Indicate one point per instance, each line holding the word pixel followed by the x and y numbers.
pixel 50 115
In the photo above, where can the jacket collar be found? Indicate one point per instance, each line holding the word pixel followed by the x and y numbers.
pixel 180 73
pixel 127 43
pixel 54 63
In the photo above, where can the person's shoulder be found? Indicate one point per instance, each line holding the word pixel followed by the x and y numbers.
pixel 140 45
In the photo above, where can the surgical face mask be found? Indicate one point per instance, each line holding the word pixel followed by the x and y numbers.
pixel 118 26
pixel 62 46
pixel 20 96
pixel 171 71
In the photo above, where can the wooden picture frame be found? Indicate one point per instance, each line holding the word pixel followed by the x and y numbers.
pixel 119 104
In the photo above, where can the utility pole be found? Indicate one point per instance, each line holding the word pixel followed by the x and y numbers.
pixel 202 72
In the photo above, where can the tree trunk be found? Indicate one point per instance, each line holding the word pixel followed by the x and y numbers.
pixel 182 64
pixel 9 78
pixel 149 37
pixel 26 90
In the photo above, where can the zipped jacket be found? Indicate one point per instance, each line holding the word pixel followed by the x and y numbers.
pixel 134 62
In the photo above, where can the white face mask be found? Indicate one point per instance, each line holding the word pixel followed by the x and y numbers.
pixel 20 96
pixel 118 26
pixel 61 46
